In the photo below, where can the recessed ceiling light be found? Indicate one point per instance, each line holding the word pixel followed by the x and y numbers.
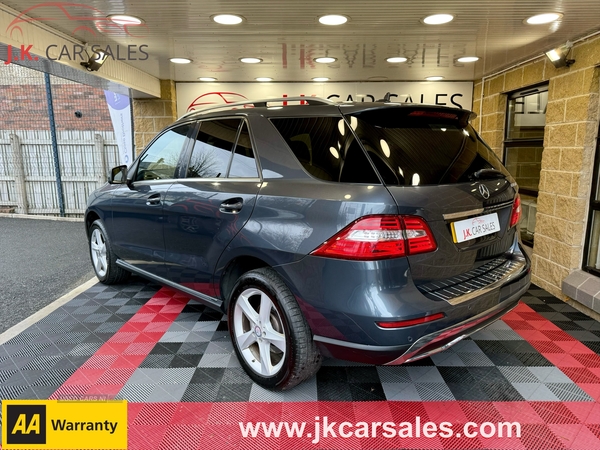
pixel 468 59
pixel 207 79
pixel 438 19
pixel 397 59
pixel 251 60
pixel 123 19
pixel 436 78
pixel 543 18
pixel 320 79
pixel 264 79
pixel 180 60
pixel 227 19
pixel 325 59
pixel 333 19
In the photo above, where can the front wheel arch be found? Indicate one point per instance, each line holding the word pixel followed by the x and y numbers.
pixel 104 260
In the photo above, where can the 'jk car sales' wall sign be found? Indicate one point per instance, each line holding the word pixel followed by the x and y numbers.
pixel 194 96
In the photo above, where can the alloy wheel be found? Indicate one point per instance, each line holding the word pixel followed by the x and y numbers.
pixel 98 251
pixel 259 332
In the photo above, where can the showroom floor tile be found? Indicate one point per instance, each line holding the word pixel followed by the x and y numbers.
pixel 163 352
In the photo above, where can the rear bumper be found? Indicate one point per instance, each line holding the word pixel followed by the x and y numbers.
pixel 423 347
pixel 342 302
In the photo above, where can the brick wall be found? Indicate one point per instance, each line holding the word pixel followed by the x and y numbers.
pixel 567 159
pixel 24 107
pixel 23 103
pixel 151 115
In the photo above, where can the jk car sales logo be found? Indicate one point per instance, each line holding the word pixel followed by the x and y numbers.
pixel 90 22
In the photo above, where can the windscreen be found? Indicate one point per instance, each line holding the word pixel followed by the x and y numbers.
pixel 413 147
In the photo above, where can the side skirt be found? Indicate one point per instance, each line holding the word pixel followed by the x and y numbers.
pixel 207 300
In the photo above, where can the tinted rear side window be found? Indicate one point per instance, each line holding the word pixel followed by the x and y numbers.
pixel 327 149
pixel 417 147
pixel 212 150
pixel 243 164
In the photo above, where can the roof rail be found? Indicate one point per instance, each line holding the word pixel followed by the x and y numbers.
pixel 262 103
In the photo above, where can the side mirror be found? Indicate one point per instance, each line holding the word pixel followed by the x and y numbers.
pixel 118 175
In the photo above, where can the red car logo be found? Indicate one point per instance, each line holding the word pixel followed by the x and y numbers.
pixel 216 98
pixel 477 221
pixel 52 12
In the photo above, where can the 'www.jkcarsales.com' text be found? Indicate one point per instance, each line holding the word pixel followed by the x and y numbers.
pixel 323 428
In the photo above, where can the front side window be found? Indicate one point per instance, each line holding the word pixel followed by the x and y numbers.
pixel 160 160
pixel 213 148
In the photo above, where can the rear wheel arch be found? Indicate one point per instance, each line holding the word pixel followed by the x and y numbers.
pixel 270 335
pixel 233 271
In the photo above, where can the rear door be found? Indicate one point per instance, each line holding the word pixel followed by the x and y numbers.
pixel 208 207
pixel 437 167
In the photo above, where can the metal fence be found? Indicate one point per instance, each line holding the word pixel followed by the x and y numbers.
pixel 51 158
pixel 28 183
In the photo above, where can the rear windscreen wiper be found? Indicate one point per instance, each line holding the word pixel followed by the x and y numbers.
pixel 486 174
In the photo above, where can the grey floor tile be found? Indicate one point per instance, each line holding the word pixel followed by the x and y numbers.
pixel 427 374
pixel 401 391
pixel 393 374
pixel 177 376
pixel 447 359
pixel 146 376
pixel 550 374
pixel 535 392
pixel 434 391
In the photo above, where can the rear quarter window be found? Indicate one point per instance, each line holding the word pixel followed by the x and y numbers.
pixel 327 149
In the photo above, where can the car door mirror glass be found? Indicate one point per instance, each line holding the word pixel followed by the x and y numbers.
pixel 118 175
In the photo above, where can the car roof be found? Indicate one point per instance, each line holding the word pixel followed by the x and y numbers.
pixel 313 106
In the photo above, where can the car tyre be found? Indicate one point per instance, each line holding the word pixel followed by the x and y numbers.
pixel 272 340
pixel 103 258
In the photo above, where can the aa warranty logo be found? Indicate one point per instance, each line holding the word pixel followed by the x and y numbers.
pixel 59 424
pixel 89 22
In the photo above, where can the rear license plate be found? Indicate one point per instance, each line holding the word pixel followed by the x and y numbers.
pixel 465 230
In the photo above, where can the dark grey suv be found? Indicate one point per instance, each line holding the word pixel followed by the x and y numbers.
pixel 373 232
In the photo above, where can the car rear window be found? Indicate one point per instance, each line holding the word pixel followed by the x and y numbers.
pixel 423 147
pixel 327 149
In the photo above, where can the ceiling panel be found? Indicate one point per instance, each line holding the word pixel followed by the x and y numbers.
pixel 287 36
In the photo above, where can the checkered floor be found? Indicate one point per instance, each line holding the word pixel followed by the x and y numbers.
pixel 150 345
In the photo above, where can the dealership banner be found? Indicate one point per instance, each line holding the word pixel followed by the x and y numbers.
pixel 119 106
pixel 457 94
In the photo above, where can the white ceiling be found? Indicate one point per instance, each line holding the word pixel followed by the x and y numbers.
pixel 287 36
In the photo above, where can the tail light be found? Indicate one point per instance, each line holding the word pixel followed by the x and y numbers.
pixel 515 215
pixel 379 237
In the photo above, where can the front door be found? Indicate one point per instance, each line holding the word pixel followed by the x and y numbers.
pixel 138 219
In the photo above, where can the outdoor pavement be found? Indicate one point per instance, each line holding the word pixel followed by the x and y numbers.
pixel 40 260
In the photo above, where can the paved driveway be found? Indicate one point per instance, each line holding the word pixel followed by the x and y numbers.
pixel 40 260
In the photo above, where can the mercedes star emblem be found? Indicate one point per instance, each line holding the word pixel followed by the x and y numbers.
pixel 484 191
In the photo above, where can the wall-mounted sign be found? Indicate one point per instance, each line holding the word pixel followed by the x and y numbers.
pixel 193 96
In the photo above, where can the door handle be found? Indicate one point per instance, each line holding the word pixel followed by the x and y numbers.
pixel 232 206
pixel 153 200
